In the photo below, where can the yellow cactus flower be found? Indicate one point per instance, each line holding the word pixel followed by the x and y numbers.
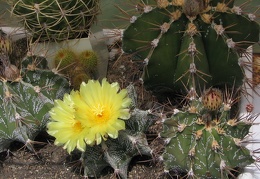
pixel 64 126
pixel 90 115
pixel 103 109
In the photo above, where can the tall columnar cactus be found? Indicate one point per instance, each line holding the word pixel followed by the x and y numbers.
pixel 26 99
pixel 204 141
pixel 190 43
pixel 56 20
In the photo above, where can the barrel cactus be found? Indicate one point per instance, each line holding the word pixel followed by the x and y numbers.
pixel 203 140
pixel 56 20
pixel 190 43
pixel 25 100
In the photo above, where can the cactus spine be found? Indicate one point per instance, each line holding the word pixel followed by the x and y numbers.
pixel 186 44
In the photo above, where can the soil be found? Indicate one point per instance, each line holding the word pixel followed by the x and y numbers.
pixel 49 161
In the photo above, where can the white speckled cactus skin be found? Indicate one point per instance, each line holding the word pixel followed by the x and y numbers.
pixel 26 101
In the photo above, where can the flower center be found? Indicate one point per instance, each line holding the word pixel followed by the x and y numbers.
pixel 100 114
pixel 77 127
pixel 98 110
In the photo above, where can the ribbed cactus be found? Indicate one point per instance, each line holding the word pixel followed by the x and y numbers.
pixel 26 100
pixel 56 20
pixel 206 142
pixel 190 43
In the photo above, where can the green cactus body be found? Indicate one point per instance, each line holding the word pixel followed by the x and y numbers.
pixel 56 20
pixel 188 44
pixel 25 103
pixel 89 60
pixel 64 60
pixel 206 143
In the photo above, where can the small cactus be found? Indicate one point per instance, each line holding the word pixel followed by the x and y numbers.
pixel 204 141
pixel 26 100
pixel 78 67
pixel 56 20
pixel 64 60
pixel 89 60
pixel 188 44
